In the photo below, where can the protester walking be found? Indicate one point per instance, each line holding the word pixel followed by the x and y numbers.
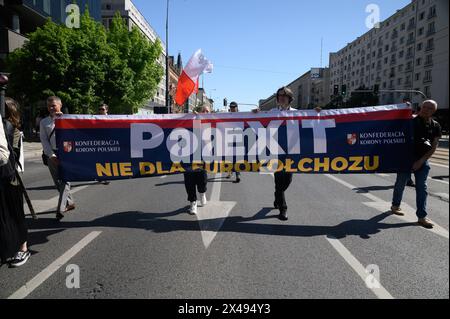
pixel 13 229
pixel 234 108
pixel 196 180
pixel 50 158
pixel 427 133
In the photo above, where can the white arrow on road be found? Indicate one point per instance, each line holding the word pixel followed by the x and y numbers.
pixel 212 216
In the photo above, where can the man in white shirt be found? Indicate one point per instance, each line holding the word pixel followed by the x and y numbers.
pixel 283 180
pixel 48 141
pixel 234 108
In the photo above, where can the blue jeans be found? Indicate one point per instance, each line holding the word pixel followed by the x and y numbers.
pixel 421 189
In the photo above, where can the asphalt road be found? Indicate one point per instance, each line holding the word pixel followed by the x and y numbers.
pixel 134 239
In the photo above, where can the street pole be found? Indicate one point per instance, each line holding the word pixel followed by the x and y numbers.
pixel 167 59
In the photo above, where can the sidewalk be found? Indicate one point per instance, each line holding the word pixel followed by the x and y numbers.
pixel 32 150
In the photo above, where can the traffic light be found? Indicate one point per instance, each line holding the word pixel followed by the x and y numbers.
pixel 336 90
pixel 376 89
pixel 225 102
pixel 344 90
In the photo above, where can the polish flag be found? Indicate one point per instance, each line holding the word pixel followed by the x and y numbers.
pixel 188 81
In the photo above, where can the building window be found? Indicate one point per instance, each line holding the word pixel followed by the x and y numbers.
pixel 422 16
pixel 432 12
pixel 429 60
pixel 431 28
pixel 427 76
pixel 419 61
pixel 427 92
pixel 417 77
pixel 47 7
pixel 419 47
pixel 430 44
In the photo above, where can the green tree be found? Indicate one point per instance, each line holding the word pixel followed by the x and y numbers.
pixel 136 72
pixel 86 66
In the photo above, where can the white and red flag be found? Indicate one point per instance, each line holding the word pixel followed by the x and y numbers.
pixel 188 81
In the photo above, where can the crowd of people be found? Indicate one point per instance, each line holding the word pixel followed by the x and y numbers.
pixel 13 229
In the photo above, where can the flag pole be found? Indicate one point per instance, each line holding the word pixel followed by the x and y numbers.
pixel 167 59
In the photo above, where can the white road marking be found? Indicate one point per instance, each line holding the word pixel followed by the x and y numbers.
pixel 212 216
pixel 379 291
pixel 383 175
pixel 438 180
pixel 40 278
pixel 162 177
pixel 383 206
pixel 439 165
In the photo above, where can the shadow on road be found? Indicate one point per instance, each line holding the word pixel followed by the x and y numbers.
pixel 162 223
pixel 368 189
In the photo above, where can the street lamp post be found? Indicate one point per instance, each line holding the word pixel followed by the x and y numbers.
pixel 167 59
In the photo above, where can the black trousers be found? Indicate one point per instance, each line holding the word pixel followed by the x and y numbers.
pixel 282 182
pixel 193 181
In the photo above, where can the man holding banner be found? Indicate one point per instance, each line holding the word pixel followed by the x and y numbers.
pixel 50 156
pixel 427 133
pixel 283 179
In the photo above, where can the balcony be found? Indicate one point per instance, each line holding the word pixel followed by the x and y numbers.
pixel 428 80
pixel 429 48
pixel 431 32
pixel 428 64
pixel 408 69
pixel 393 49
pixel 410 41
pixel 393 62
pixel 431 15
pixel 409 56
pixel 411 26
pixel 394 35
pixel 392 75
pixel 10 40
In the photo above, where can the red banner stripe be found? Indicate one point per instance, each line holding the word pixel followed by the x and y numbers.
pixel 404 114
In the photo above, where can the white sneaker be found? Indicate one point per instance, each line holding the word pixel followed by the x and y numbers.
pixel 193 208
pixel 203 200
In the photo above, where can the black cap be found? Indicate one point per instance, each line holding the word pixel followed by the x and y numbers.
pixel 233 105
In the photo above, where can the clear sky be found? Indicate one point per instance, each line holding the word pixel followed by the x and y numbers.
pixel 257 46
